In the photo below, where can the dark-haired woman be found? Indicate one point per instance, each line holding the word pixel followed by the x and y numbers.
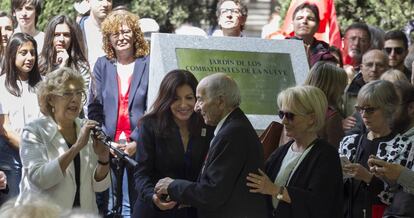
pixel 173 142
pixel 18 99
pixel 64 47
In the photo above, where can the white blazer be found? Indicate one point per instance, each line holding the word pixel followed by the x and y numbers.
pixel 41 145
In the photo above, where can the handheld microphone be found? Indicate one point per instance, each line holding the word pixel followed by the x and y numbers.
pixel 97 131
pixel 106 140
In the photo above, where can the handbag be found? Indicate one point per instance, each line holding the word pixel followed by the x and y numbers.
pixel 270 138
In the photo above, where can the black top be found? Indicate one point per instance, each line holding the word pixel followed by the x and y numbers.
pixel 315 188
pixel 164 156
pixel 356 84
pixel 76 161
pixel 358 195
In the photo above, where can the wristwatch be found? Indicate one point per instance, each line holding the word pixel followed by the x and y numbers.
pixel 279 195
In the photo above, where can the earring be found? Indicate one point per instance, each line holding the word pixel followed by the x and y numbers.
pixel 53 109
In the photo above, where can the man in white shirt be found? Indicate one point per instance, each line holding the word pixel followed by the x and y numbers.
pixel 91 28
pixel 232 16
pixel 27 14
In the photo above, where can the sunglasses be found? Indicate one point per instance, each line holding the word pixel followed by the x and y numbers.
pixel 289 116
pixel 367 110
pixel 397 50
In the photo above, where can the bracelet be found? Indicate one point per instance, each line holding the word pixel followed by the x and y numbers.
pixel 103 163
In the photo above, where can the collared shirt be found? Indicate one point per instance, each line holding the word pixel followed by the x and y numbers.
pixel 220 124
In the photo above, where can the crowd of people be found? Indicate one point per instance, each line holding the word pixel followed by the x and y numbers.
pixel 347 149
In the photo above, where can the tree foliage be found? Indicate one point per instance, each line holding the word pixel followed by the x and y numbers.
pixel 50 8
pixel 386 14
pixel 172 13
pixel 168 13
pixel 53 8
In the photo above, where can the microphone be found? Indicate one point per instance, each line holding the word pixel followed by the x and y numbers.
pixel 97 131
pixel 106 140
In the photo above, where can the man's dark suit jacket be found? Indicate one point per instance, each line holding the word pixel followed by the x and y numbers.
pixel 221 191
pixel 103 95
pixel 315 188
pixel 164 156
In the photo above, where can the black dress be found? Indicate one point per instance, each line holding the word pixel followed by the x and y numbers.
pixel 315 187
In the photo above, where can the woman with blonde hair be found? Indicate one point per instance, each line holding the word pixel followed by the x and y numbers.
pixel 393 75
pixel 303 177
pixel 332 80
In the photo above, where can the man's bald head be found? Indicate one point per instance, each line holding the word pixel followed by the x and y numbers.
pixel 374 64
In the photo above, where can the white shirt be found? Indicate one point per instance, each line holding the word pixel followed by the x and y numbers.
pixel 94 42
pixel 290 163
pixel 21 110
pixel 39 38
pixel 220 124
pixel 125 72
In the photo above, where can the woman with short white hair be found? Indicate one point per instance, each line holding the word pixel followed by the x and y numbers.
pixel 61 158
pixel 303 177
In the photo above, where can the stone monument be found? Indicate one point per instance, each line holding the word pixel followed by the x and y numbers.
pixel 261 68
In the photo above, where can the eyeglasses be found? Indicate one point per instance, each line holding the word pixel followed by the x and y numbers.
pixel 361 40
pixel 122 32
pixel 371 65
pixel 289 116
pixel 70 95
pixel 367 110
pixel 397 50
pixel 231 10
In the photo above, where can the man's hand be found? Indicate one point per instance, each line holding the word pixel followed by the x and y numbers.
pixel 162 186
pixel 3 180
pixel 163 205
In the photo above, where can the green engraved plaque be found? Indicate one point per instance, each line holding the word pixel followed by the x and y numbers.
pixel 260 76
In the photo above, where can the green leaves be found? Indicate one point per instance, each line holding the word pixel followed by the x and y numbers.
pixel 386 14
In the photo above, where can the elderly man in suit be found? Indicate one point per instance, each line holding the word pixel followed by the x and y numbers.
pixel 235 150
